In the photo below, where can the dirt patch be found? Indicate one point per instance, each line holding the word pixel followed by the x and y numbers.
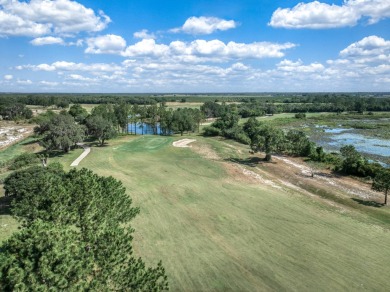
pixel 327 179
pixel 183 143
pixel 11 133
pixel 206 151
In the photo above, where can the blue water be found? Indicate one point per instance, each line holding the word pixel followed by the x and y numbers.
pixel 332 139
pixel 144 129
pixel 362 143
pixel 335 130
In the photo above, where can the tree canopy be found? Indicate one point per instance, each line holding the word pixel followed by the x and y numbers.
pixel 381 182
pixel 100 128
pixel 263 137
pixel 60 132
pixel 76 234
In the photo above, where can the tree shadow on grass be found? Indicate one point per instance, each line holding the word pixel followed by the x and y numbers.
pixel 250 161
pixel 368 203
pixel 29 142
pixel 5 205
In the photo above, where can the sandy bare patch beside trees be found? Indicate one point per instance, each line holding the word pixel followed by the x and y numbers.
pixel 10 134
pixel 183 143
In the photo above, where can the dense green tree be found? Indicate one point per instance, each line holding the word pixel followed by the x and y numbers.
pixel 298 143
pixel 45 257
pixel 264 137
pixel 211 109
pixel 211 131
pixel 23 160
pixel 227 120
pixel 183 121
pixel 43 121
pixel 60 132
pixel 360 105
pixel 198 117
pixel 166 120
pixel 381 182
pixel 76 235
pixel 106 111
pixel 251 127
pixel 15 112
pixel 78 112
pixel 100 128
pixel 62 103
pixel 353 161
pixel 318 155
pixel 153 117
pixel 122 111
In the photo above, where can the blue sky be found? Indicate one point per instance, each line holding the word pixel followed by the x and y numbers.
pixel 194 46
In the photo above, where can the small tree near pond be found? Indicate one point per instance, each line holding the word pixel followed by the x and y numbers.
pixel 100 128
pixel 263 137
pixel 381 182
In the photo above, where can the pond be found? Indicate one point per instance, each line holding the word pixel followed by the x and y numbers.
pixel 144 129
pixel 332 139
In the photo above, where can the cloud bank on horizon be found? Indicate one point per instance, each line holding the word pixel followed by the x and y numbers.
pixel 196 46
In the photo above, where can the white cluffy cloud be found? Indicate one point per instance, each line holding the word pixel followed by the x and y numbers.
pixel 8 77
pixel 186 66
pixel 298 67
pixel 318 15
pixel 195 51
pixel 204 25
pixel 144 34
pixel 107 44
pixel 40 17
pixel 47 41
pixel 71 66
pixel 368 46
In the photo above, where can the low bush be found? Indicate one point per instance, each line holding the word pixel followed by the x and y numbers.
pixel 23 160
pixel 211 131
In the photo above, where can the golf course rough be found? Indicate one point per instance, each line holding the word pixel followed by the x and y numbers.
pixel 214 232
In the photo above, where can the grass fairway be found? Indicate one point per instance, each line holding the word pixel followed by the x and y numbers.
pixel 214 232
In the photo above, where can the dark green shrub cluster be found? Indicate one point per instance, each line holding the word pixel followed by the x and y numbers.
pixel 23 160
pixel 211 131
pixel 300 115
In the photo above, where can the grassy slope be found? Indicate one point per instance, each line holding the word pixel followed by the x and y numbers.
pixel 216 233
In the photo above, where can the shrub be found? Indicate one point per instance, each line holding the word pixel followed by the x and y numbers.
pixel 211 131
pixel 23 160
pixel 300 115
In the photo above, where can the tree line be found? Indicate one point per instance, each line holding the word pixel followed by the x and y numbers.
pixel 248 106
pixel 257 108
pixel 64 130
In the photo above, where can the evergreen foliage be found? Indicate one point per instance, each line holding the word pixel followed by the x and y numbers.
pixel 75 236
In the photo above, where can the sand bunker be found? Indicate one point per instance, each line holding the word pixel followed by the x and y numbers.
pixel 183 143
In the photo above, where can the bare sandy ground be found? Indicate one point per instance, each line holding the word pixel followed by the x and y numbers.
pixel 293 174
pixel 183 143
pixel 12 133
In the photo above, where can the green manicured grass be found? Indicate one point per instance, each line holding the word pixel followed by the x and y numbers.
pixel 216 233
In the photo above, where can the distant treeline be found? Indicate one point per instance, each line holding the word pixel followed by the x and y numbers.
pixel 63 100
pixel 259 107
pixel 339 99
